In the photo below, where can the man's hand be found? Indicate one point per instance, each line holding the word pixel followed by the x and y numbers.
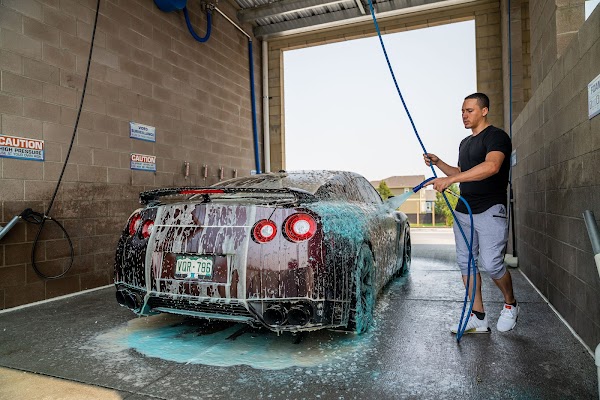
pixel 440 184
pixel 430 159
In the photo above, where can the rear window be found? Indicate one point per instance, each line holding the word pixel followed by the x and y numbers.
pixel 309 182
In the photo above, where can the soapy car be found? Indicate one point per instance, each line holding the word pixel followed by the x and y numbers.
pixel 289 251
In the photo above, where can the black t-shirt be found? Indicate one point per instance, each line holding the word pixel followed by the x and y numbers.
pixel 488 192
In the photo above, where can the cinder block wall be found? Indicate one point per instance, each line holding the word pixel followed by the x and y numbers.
pixel 554 23
pixel 146 68
pixel 556 177
pixel 517 52
pixel 487 16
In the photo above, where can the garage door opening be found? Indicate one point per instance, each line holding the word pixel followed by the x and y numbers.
pixel 342 111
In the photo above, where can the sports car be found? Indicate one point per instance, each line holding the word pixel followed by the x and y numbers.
pixel 289 251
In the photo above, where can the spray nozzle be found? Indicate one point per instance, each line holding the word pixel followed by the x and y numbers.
pixel 4 229
pixel 420 185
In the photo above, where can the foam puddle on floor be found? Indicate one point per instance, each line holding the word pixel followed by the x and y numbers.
pixel 197 341
pixel 189 341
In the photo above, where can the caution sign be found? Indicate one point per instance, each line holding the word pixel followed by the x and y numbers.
pixel 143 162
pixel 22 148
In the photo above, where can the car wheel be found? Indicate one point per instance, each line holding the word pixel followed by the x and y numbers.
pixel 363 292
pixel 406 253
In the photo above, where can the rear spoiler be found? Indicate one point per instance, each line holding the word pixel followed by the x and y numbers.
pixel 150 196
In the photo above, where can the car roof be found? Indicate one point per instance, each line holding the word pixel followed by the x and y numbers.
pixel 309 181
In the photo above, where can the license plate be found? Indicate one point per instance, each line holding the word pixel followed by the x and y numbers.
pixel 197 267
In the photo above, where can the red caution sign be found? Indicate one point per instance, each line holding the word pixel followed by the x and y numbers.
pixel 21 148
pixel 142 162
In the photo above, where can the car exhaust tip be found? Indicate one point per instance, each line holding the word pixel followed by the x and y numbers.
pixel 120 295
pixel 275 315
pixel 133 301
pixel 299 315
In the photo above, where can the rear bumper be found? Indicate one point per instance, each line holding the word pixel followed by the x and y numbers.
pixel 278 315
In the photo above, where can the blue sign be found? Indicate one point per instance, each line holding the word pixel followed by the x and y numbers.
pixel 142 132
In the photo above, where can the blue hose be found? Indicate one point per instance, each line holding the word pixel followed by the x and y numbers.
pixel 462 326
pixel 174 5
pixel 191 28
pixel 254 127
pixel 471 261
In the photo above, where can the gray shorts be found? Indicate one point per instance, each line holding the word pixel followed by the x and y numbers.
pixel 489 240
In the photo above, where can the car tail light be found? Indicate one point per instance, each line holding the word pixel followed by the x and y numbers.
pixel 264 231
pixel 147 228
pixel 299 227
pixel 134 224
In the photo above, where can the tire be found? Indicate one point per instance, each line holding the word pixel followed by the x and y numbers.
pixel 362 305
pixel 406 253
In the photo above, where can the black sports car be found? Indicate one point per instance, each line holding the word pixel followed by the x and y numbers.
pixel 291 251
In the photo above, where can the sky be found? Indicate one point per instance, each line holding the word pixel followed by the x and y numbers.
pixel 590 5
pixel 342 110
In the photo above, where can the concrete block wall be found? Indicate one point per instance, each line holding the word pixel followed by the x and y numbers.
pixel 554 23
pixel 146 68
pixel 517 53
pixel 556 177
pixel 487 16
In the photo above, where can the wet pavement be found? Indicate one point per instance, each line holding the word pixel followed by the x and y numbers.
pixel 408 354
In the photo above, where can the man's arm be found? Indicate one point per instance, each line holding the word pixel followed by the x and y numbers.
pixel 491 165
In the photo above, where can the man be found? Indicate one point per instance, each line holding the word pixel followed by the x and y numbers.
pixel 483 168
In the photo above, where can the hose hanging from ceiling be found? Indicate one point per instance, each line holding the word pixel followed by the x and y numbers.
pixel 464 318
pixel 174 5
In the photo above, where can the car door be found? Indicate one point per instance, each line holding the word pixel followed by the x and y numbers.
pixel 385 230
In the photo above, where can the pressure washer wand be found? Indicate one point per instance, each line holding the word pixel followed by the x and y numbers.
pixel 420 185
pixel 452 193
pixel 4 230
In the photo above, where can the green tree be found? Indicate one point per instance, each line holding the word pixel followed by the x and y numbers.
pixel 384 190
pixel 441 208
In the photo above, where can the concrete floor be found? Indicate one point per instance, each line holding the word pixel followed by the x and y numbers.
pixel 87 346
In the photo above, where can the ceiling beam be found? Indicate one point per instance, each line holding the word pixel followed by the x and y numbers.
pixel 281 7
pixel 352 16
pixel 360 7
pixel 302 25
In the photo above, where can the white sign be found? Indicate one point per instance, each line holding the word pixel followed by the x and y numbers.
pixel 594 97
pixel 142 162
pixel 22 148
pixel 513 158
pixel 142 132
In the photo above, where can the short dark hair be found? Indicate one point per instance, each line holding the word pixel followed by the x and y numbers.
pixel 482 100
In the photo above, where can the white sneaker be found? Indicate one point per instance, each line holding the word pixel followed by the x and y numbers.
pixel 475 325
pixel 508 318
